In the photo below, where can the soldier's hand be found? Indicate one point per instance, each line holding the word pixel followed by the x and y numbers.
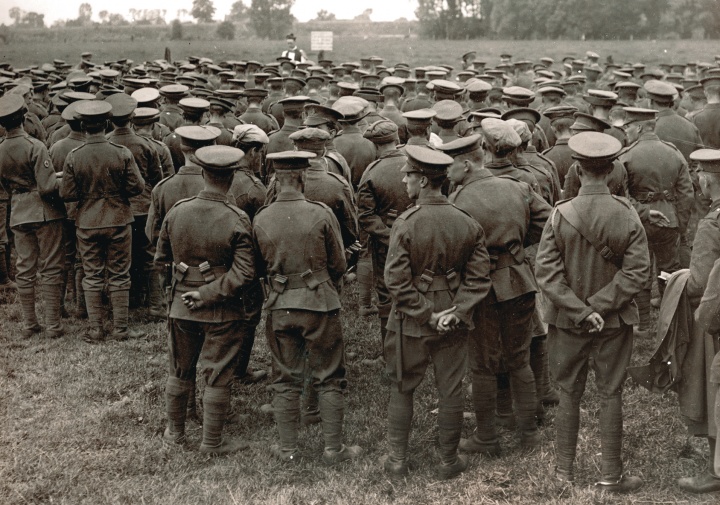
pixel 594 323
pixel 447 323
pixel 658 219
pixel 435 317
pixel 192 300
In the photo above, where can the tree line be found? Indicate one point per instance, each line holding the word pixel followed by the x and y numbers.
pixel 569 19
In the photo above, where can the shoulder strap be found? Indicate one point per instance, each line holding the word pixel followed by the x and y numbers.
pixel 571 215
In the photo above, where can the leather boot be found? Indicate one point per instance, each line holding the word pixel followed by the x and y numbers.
pixel 52 297
pixel 400 414
pixel 332 411
pixel 567 425
pixel 176 397
pixel 522 384
pixel 541 371
pixel 450 420
pixel 611 427
pixel 485 439
pixel 216 403
pixel 30 326
pixel 709 481
pixel 365 284
pixel 156 307
pixel 120 305
pixel 80 305
pixel 505 417
pixel 286 409
pixel 94 306
pixel 310 413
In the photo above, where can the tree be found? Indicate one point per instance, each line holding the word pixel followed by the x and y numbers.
pixel 324 15
pixel 238 12
pixel 34 20
pixel 452 19
pixel 84 12
pixel 115 19
pixel 271 19
pixel 226 30
pixel 16 15
pixel 176 30
pixel 365 16
pixel 103 15
pixel 202 10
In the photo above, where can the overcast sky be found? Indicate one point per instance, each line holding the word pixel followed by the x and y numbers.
pixel 304 10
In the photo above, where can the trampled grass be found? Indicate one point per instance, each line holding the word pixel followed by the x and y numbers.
pixel 81 424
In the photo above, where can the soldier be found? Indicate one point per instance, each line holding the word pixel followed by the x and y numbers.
pixel 358 151
pixel 32 124
pixel 325 118
pixel 705 255
pixel 501 140
pixel 171 115
pixel 292 108
pixel 516 97
pixel 561 118
pixel 218 108
pixel 707 119
pixel 36 214
pixel 148 161
pixel 148 98
pixel 194 110
pixel 392 92
pixel 421 100
pixel 436 273
pixel 447 119
pixel 512 216
pixel 143 120
pixel 212 269
pixel 6 283
pixel 103 218
pixel 669 126
pixel 254 113
pixel 381 198
pixel 601 103
pixel 304 306
pixel 660 189
pixel 73 270
pixel 590 311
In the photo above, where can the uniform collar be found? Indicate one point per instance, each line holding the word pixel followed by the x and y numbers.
pixel 17 132
pixel 648 136
pixel 95 139
pixel 433 200
pixel 477 175
pixel 351 128
pixel 123 130
pixel 212 195
pixel 395 153
pixel 561 142
pixel 666 112
pixel 190 170
pixel 289 195
pixel 76 135
pixel 594 189
pixel 499 163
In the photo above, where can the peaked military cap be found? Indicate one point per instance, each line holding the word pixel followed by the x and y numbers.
pixel 600 97
pixel 462 145
pixel 319 115
pixel 94 110
pixel 122 105
pixel 551 90
pixel 194 105
pixel 709 160
pixel 426 161
pixel 523 114
pixel 69 113
pixel 220 159
pixel 561 111
pixel 633 114
pixel 175 91
pixel 478 86
pixel 420 116
pixel 594 147
pixel 381 132
pixel 448 111
pixel 146 95
pixel 11 106
pixel 660 91
pixel 710 81
pixel 145 116
pixel 488 112
pixel 291 160
pixel 587 122
pixel 351 108
pixel 518 94
pixel 196 136
pixel 310 138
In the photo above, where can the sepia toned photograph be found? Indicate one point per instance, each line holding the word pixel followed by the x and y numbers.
pixel 310 252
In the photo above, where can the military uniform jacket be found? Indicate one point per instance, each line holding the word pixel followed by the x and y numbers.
pixel 147 160
pixel 332 190
pixel 680 132
pixel 102 195
pixel 58 152
pixel 707 121
pixel 437 259
pixel 536 159
pixel 174 143
pixel 574 276
pixel 207 228
pixel 166 162
pixel 27 174
pixel 298 241
pixel 50 121
pixel 512 216
pixel 187 183
pixel 544 179
pixel 617 181
pixel 264 121
pixel 171 115
pixel 356 149
pixel 280 141
pixel 381 196
pixel 658 179
pixel 505 167
pixel 225 138
pixel 34 127
pixel 705 251
pixel 248 192
pixel 561 155
pixel 59 133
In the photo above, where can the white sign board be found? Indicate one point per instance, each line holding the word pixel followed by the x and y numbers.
pixel 321 41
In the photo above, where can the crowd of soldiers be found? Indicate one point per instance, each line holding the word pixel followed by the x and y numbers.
pixel 511 221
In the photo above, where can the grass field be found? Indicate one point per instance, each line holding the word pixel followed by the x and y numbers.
pixel 414 51
pixel 81 425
